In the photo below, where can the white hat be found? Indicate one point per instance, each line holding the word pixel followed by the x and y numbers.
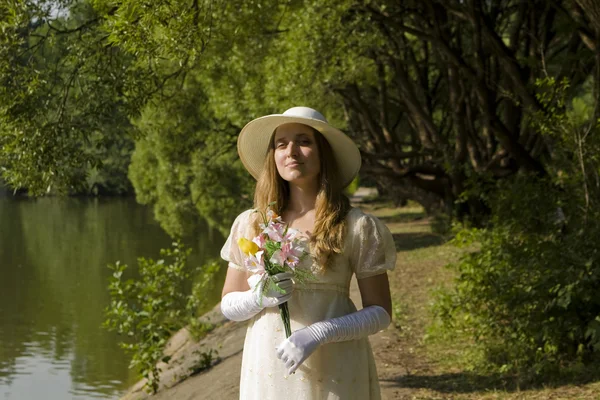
pixel 254 139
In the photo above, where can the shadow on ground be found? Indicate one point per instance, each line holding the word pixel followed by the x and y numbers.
pixel 403 217
pixel 465 382
pixel 418 240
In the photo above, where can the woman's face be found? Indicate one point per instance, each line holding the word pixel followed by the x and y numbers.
pixel 296 153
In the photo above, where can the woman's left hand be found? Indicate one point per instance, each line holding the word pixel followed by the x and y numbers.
pixel 297 348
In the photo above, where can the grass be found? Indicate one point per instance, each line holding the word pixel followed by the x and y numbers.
pixel 425 368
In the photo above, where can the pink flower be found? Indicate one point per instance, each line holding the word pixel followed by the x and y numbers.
pixel 260 241
pixel 288 254
pixel 290 235
pixel 255 263
pixel 272 216
pixel 293 253
pixel 275 231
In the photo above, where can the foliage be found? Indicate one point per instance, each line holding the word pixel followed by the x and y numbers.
pixel 528 294
pixel 147 311
pixel 185 164
pixel 434 94
pixel 406 81
pixel 425 90
pixel 203 284
pixel 205 360
pixel 63 127
pixel 109 175
pixel 441 224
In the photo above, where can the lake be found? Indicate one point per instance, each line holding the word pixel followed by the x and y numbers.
pixel 53 290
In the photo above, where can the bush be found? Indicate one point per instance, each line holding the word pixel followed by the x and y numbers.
pixel 150 309
pixel 204 283
pixel 528 294
pixel 441 224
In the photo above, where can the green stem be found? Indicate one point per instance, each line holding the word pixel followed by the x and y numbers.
pixel 285 317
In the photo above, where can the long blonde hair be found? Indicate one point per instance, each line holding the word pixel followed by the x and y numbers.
pixel 331 206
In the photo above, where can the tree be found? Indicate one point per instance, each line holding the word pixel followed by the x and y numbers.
pixel 59 110
pixel 437 94
pixel 71 75
pixel 440 92
pixel 185 163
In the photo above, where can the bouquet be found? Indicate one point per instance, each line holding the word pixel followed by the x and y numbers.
pixel 276 249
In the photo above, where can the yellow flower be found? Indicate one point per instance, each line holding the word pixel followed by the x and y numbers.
pixel 248 246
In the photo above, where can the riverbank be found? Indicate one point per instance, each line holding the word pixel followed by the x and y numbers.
pixel 409 366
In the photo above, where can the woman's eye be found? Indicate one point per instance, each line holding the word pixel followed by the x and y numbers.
pixel 305 142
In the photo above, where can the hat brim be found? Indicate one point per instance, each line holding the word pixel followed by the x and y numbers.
pixel 253 144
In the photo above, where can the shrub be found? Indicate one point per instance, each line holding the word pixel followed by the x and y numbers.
pixel 528 294
pixel 149 309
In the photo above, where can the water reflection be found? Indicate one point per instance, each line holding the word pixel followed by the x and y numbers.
pixel 53 278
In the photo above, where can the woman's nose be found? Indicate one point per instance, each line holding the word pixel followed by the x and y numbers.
pixel 291 149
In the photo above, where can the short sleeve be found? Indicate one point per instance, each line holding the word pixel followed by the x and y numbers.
pixel 231 251
pixel 373 249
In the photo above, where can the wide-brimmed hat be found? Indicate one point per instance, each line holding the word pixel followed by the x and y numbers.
pixel 254 139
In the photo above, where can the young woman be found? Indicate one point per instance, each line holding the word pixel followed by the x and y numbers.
pixel 303 163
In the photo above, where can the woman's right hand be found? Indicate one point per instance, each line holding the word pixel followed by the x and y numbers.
pixel 272 297
pixel 241 305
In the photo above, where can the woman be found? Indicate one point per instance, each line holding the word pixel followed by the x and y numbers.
pixel 303 163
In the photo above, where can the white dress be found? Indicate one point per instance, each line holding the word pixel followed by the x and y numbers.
pixel 343 370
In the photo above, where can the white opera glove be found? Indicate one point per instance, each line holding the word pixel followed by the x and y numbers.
pixel 294 350
pixel 240 306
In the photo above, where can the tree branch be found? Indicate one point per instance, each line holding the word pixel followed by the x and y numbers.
pixel 79 28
